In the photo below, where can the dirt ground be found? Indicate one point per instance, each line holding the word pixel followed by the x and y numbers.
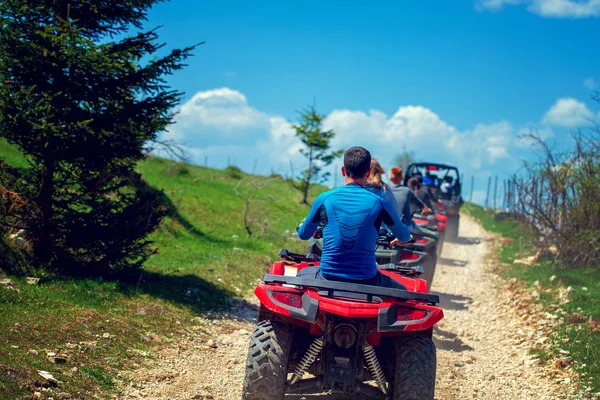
pixel 483 344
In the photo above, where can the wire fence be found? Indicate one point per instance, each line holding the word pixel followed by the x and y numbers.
pixel 500 193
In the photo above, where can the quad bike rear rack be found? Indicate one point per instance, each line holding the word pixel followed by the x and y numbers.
pixel 338 286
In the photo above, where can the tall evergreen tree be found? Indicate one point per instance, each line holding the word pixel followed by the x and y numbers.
pixel 317 148
pixel 82 105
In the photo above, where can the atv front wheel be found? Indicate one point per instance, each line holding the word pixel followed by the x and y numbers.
pixel 267 364
pixel 414 377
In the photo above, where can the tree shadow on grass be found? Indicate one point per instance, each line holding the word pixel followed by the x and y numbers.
pixel 190 291
pixel 174 213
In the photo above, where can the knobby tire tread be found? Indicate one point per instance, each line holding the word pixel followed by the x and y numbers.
pixel 266 366
pixel 415 370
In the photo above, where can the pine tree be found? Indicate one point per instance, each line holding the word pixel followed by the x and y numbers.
pixel 82 105
pixel 317 148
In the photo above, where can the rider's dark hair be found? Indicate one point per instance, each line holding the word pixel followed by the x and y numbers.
pixel 413 183
pixel 357 162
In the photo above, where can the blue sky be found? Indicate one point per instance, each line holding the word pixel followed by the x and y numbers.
pixel 454 81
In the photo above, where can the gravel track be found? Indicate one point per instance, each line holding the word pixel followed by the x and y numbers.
pixel 482 342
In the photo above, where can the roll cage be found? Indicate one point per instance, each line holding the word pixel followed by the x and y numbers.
pixel 438 171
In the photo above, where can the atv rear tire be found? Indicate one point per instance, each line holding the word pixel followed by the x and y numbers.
pixel 414 377
pixel 267 364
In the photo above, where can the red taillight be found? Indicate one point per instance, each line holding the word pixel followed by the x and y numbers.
pixel 409 256
pixel 409 314
pixel 290 299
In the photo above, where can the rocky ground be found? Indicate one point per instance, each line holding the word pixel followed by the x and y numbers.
pixel 483 342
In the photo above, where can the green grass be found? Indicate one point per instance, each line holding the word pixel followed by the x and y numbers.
pixel 580 339
pixel 11 155
pixel 205 235
pixel 204 256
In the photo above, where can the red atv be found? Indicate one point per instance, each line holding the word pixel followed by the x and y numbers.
pixel 436 223
pixel 448 204
pixel 320 335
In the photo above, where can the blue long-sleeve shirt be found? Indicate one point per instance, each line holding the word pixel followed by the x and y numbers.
pixel 351 217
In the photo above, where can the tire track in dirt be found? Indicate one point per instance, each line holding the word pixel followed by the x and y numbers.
pixel 481 354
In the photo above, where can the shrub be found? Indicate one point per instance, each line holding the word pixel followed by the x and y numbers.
pixel 234 172
pixel 560 197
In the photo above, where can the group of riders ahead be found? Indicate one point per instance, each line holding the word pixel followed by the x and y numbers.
pixel 354 309
pixel 350 218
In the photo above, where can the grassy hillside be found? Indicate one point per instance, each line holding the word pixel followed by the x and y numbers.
pixel 205 235
pixel 204 256
pixel 579 329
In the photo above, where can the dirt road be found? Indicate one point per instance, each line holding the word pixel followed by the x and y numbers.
pixel 482 345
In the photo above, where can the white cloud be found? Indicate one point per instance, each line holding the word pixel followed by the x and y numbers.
pixel 548 8
pixel 220 124
pixel 569 113
pixel 419 128
pixel 282 144
pixel 494 5
pixel 223 108
pixel 590 83
pixel 566 8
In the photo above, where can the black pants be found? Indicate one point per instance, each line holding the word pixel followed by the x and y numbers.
pixel 378 280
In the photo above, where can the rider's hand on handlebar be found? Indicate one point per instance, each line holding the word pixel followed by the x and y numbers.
pixel 298 227
pixel 396 242
pixel 426 210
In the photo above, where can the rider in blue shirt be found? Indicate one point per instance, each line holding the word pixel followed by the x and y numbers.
pixel 350 218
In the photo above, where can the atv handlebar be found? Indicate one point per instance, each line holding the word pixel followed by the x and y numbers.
pixel 298 258
pixel 385 238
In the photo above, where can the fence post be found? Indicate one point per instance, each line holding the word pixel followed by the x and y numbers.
pixel 513 194
pixel 472 184
pixel 495 191
pixel 487 193
pixel 509 194
pixel 541 193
